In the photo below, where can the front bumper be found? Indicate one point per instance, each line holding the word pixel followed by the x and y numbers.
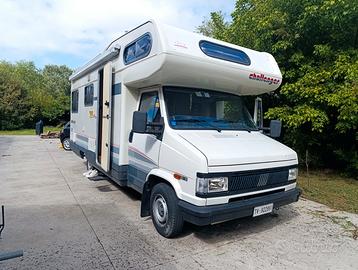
pixel 205 215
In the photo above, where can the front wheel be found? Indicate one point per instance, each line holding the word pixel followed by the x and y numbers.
pixel 166 215
pixel 66 144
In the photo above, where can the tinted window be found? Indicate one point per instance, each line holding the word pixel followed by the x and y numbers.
pixel 149 103
pixel 224 53
pixel 89 95
pixel 75 101
pixel 138 49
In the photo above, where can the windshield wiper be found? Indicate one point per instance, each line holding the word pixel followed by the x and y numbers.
pixel 245 129
pixel 233 122
pixel 192 120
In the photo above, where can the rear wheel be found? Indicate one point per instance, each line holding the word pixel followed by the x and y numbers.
pixel 166 215
pixel 66 144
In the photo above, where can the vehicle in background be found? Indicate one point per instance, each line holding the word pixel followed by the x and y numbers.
pixel 160 110
pixel 65 137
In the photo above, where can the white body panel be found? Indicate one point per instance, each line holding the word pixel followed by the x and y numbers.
pixel 83 125
pixel 180 61
pixel 229 148
pixel 175 59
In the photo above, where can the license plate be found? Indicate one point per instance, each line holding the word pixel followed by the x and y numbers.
pixel 263 209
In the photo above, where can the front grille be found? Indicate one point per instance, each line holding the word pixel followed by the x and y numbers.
pixel 249 181
pixel 257 180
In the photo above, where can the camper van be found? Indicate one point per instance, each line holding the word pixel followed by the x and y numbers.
pixel 161 110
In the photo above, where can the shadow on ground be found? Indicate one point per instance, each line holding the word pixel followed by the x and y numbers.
pixel 216 233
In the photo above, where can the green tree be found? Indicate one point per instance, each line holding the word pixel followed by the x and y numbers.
pixel 32 83
pixel 58 87
pixel 14 104
pixel 315 44
pixel 28 94
pixel 215 26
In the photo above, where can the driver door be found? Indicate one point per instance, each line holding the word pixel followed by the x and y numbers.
pixel 143 150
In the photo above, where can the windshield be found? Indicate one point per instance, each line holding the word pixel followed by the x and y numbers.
pixel 190 108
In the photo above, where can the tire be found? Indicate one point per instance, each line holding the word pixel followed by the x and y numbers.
pixel 164 210
pixel 66 144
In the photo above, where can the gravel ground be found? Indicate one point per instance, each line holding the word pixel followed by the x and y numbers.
pixel 63 221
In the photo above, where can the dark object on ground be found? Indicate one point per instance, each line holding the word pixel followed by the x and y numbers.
pixel 39 127
pixel 50 135
pixel 65 137
pixel 10 255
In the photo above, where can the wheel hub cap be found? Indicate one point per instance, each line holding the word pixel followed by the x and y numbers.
pixel 66 143
pixel 160 209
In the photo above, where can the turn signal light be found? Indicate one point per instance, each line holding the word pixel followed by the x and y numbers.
pixel 178 176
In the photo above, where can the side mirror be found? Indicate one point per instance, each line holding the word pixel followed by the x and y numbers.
pixel 139 122
pixel 275 128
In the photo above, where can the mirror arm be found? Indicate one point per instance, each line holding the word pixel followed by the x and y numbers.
pixel 159 133
pixel 155 125
pixel 265 129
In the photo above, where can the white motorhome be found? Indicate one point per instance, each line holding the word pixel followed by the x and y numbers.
pixel 160 110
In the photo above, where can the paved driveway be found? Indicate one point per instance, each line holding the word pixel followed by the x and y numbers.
pixel 63 221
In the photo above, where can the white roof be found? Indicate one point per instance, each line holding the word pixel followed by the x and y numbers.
pixel 177 59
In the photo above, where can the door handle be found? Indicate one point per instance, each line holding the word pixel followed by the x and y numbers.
pixel 106 103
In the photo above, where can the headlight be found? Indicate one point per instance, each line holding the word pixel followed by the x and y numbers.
pixel 292 174
pixel 207 185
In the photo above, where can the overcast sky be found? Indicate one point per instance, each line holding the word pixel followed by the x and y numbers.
pixel 73 31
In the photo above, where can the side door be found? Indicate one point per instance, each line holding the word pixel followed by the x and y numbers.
pixel 104 117
pixel 143 150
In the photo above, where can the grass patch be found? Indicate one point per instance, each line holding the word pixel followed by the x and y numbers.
pixel 345 224
pixel 29 131
pixel 337 192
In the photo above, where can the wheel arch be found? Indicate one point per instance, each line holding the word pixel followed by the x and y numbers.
pixel 154 177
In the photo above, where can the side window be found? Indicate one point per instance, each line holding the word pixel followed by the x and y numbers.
pixel 88 95
pixel 138 49
pixel 224 53
pixel 149 103
pixel 75 101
